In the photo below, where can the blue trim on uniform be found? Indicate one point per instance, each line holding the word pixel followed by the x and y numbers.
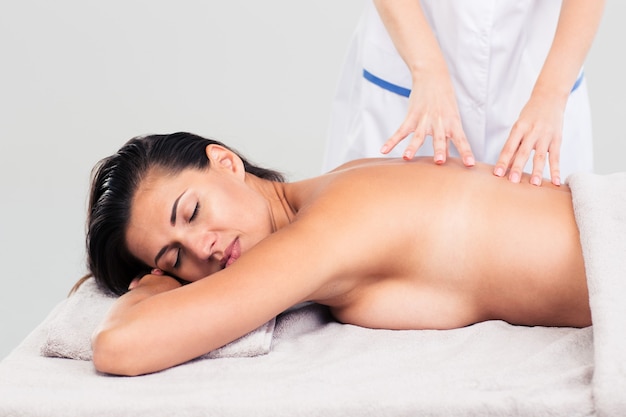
pixel 385 84
pixel 405 92
pixel 578 82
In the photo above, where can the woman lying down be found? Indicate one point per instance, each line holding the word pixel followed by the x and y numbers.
pixel 384 243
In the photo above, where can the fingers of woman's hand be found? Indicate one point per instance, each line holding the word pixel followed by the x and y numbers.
pixel 440 143
pixel 543 151
pixel 554 158
pixel 410 125
pixel 505 160
pixel 546 148
pixel 440 134
pixel 133 284
pixel 416 142
pixel 462 145
pixel 539 129
pixel 432 111
pixel 156 279
pixel 539 162
pixel 403 131
pixel 517 151
pixel 517 167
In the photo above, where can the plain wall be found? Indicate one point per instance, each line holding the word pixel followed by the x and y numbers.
pixel 78 78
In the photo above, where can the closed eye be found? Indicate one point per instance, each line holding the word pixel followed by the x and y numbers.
pixel 177 262
pixel 195 212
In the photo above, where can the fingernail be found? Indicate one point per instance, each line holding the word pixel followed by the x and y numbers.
pixel 438 158
pixel 384 149
pixel 406 156
pixel 556 181
pixel 514 177
pixel 499 171
pixel 469 161
pixel 535 180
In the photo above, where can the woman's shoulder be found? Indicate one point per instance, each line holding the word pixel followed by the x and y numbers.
pixel 365 162
pixel 360 186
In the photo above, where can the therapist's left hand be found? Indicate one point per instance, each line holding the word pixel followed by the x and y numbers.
pixel 539 128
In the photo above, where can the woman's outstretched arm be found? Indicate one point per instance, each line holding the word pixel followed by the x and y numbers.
pixel 160 324
pixel 110 355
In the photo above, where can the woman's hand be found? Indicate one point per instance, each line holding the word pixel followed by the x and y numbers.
pixel 540 123
pixel 539 128
pixel 432 111
pixel 155 282
pixel 116 337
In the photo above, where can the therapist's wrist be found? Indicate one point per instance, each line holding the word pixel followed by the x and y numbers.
pixel 556 93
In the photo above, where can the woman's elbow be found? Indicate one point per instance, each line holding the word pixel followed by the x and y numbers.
pixel 113 355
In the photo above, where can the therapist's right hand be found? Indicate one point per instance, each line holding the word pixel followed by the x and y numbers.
pixel 432 111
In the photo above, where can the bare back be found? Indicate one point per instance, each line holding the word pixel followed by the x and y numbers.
pixel 415 245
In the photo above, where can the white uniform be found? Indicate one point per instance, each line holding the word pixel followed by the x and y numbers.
pixel 494 50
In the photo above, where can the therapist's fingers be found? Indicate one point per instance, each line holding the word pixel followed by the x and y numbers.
pixel 517 167
pixel 517 151
pixel 440 143
pixel 419 127
pixel 407 127
pixel 555 156
pixel 396 138
pixel 462 145
pixel 416 142
pixel 509 150
pixel 539 162
pixel 451 130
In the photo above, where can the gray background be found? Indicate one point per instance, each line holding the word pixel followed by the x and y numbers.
pixel 78 78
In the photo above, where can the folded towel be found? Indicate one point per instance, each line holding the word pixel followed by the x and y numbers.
pixel 600 207
pixel 74 320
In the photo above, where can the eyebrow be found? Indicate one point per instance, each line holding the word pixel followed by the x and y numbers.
pixel 174 208
pixel 173 223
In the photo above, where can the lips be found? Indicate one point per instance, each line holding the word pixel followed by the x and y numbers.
pixel 231 253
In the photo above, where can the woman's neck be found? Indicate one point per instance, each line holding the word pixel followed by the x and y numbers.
pixel 281 210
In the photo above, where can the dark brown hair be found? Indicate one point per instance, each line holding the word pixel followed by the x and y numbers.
pixel 114 182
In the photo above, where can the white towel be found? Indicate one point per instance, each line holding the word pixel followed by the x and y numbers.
pixel 320 367
pixel 75 318
pixel 600 208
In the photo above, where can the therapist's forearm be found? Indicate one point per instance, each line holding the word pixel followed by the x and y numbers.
pixel 412 36
pixel 576 29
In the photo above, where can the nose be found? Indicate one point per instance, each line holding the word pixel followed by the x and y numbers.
pixel 200 243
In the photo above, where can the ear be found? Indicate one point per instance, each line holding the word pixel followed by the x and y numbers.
pixel 223 158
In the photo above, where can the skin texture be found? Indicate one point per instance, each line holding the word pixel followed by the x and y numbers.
pixel 433 110
pixel 463 246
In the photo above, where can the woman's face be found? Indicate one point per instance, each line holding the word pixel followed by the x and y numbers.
pixel 197 222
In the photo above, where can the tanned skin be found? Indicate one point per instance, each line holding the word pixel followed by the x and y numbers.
pixel 384 243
